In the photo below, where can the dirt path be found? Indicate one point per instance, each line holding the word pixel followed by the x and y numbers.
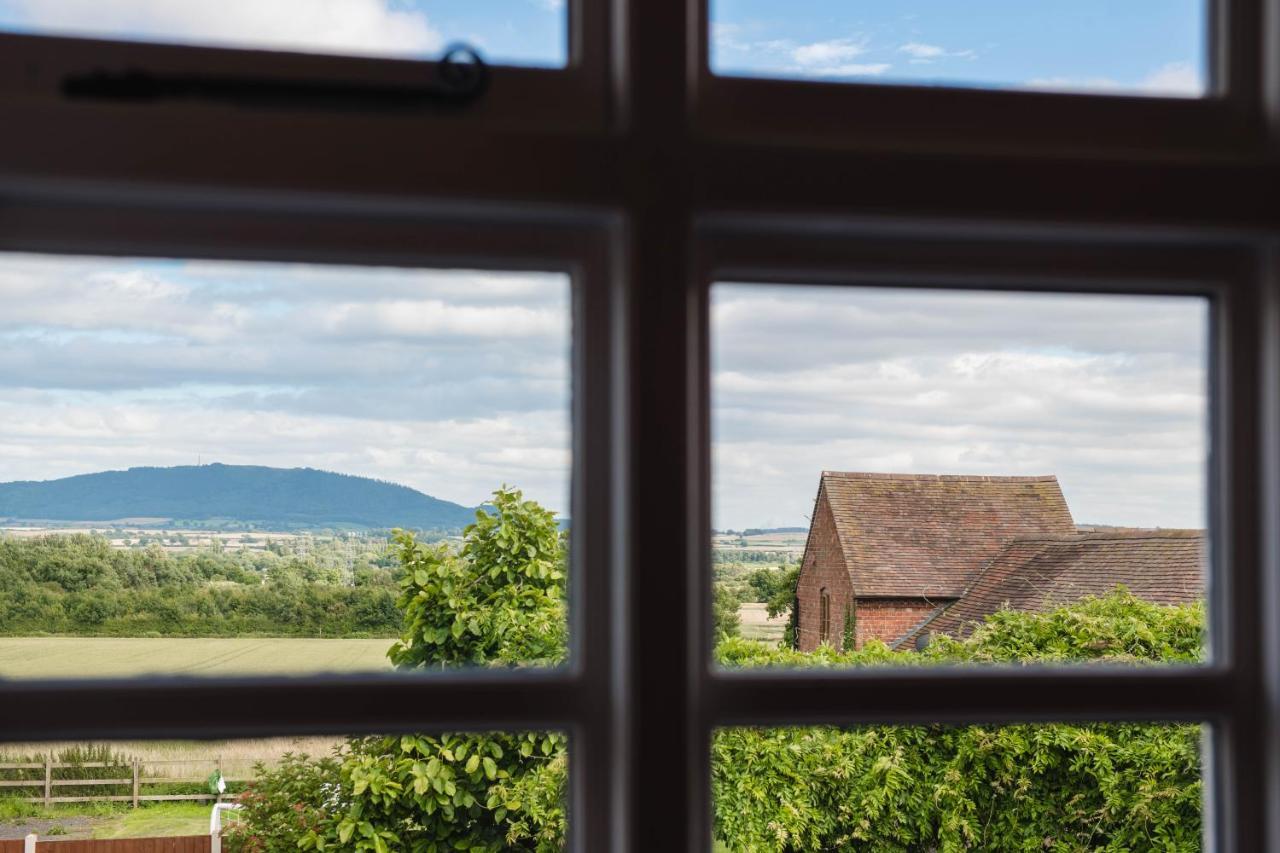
pixel 67 828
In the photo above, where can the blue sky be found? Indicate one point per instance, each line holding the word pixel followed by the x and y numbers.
pixel 1145 46
pixel 1155 46
pixel 525 32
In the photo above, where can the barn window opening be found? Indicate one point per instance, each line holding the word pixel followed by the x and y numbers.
pixel 824 626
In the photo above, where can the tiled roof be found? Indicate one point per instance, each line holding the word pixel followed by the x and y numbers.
pixel 1161 566
pixel 928 535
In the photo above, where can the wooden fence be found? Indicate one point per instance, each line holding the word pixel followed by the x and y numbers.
pixel 136 782
pixel 180 844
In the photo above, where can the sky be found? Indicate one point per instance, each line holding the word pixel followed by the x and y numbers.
pixel 456 382
pixel 1155 47
pixel 1106 392
pixel 522 32
pixel 451 382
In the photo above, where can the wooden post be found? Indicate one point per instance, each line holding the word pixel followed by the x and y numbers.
pixel 48 781
pixel 29 843
pixel 135 783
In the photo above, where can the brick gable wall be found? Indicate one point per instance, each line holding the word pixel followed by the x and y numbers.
pixel 823 568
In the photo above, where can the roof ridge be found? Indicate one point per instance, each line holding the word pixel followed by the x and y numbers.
pixel 967 478
pixel 1113 536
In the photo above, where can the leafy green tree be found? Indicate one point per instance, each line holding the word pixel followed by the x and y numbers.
pixel 498 601
pixel 725 620
pixel 783 600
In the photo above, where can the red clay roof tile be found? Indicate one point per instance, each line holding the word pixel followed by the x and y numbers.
pixel 928 535
pixel 1162 566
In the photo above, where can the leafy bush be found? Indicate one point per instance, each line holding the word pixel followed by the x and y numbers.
pixel 498 601
pixel 285 803
pixel 1027 787
pixel 1036 787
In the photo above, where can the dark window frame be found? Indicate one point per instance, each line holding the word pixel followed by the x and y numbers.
pixel 648 180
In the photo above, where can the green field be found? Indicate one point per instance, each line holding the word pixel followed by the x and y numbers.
pixel 107 657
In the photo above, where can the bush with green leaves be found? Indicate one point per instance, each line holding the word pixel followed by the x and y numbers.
pixel 1119 787
pixel 285 803
pixel 499 600
pixel 1054 787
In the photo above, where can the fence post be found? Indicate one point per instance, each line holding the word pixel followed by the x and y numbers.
pixel 135 783
pixel 29 843
pixel 48 781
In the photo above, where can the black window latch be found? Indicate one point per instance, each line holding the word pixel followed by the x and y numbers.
pixel 461 78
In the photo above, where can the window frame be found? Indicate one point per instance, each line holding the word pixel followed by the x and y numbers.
pixel 649 180
pixel 1227 121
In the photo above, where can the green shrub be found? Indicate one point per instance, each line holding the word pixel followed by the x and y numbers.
pixel 498 601
pixel 285 803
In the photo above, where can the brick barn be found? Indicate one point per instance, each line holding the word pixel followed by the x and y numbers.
pixel 896 557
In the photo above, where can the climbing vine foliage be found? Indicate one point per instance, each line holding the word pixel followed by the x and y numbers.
pixel 1044 787
pixel 498 600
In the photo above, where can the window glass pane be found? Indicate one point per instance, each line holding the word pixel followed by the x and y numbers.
pixel 202 466
pixel 920 476
pixel 520 32
pixel 475 791
pixel 1145 47
pixel 1122 786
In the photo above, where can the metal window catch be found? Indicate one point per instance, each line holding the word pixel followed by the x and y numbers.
pixel 461 78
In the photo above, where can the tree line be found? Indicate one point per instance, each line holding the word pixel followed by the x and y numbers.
pixel 80 585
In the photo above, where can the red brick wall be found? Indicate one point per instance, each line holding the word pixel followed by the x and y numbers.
pixel 887 619
pixel 823 567
pixel 884 619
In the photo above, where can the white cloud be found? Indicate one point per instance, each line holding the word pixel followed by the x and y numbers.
pixel 338 26
pixel 550 5
pixel 922 51
pixel 1106 392
pixel 924 54
pixel 866 69
pixel 1174 79
pixel 826 53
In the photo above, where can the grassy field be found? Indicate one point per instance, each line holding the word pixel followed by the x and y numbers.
pixel 107 657
pixel 157 820
pixel 756 624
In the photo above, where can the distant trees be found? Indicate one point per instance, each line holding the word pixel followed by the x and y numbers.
pixel 80 585
pixel 725 620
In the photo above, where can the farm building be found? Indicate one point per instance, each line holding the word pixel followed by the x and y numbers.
pixel 896 557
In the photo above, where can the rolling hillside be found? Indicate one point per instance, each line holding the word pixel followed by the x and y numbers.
pixel 268 497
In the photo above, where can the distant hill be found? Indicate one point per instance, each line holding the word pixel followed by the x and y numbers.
pixel 284 498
